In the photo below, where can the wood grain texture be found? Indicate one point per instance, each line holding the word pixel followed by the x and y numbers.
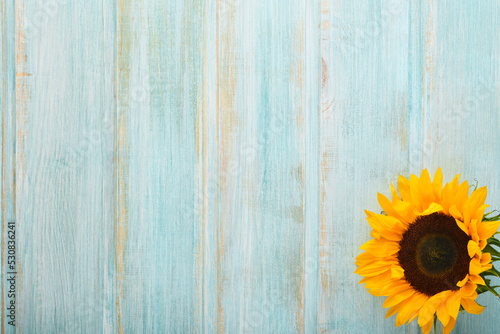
pixel 202 166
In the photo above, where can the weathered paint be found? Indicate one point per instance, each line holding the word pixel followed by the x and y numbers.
pixel 203 166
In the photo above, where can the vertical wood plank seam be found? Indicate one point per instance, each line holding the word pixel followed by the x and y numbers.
pixel 4 214
pixel 121 171
pixel 219 240
pixel 110 254
pixel 201 159
pixel 20 117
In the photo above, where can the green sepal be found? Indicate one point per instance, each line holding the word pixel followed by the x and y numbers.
pixel 487 218
pixel 491 272
pixel 488 287
pixel 485 288
pixel 489 249
pixel 493 241
pixel 474 185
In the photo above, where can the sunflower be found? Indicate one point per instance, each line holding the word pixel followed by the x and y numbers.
pixel 429 252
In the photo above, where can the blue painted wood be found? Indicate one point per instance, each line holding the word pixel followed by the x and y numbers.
pixel 58 163
pixel 364 145
pixel 8 138
pixel 203 166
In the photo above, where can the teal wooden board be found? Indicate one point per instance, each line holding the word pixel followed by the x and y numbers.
pixel 202 166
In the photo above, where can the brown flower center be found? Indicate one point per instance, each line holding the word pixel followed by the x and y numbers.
pixel 433 254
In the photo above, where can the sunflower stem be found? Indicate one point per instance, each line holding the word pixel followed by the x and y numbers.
pixel 435 323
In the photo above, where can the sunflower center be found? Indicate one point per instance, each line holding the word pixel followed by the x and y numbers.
pixel 436 254
pixel 433 254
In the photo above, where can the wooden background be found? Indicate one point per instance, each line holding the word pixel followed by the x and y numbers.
pixel 202 166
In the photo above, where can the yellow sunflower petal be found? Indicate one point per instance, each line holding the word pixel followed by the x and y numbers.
pixel 427 311
pixel 426 328
pixel 477 279
pixel 415 314
pixel 449 193
pixel 389 227
pixel 409 308
pixel 377 285
pixel 399 297
pixel 461 195
pixel 366 258
pixel 433 207
pixel 448 328
pixel 404 189
pixel 442 314
pixel 397 271
pixel 437 184
pixel 414 190
pixel 474 204
pixel 405 211
pixel 468 289
pixel 393 310
pixel 487 266
pixel 394 193
pixel 479 212
pixel 485 259
pixel 395 286
pixel 455 213
pixel 387 206
pixel 463 281
pixel 471 306
pixel 462 226
pixel 403 208
pixel 473 229
pixel 453 304
pixel 373 270
pixel 369 213
pixel 475 267
pixel 473 248
pixel 425 189
pixel 381 247
pixel 486 229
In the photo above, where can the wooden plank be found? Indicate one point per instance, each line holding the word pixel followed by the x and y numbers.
pixel 263 115
pixel 363 147
pixel 158 226
pixel 8 140
pixel 63 152
pixel 461 109
pixel 312 164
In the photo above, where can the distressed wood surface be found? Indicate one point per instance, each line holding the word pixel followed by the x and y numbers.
pixel 202 166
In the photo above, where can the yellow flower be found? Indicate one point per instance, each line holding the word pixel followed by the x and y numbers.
pixel 427 250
